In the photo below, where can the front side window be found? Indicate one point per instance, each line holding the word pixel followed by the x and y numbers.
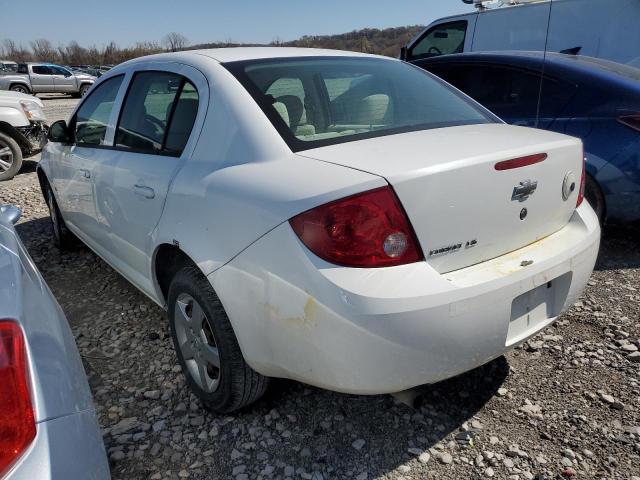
pixel 158 113
pixel 325 100
pixel 92 119
pixel 441 39
pixel 59 70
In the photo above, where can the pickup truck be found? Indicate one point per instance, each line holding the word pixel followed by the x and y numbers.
pixel 36 78
pixel 23 130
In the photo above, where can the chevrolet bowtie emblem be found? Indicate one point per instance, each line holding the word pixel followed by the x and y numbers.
pixel 524 190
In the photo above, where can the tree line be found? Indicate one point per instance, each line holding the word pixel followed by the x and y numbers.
pixel 370 40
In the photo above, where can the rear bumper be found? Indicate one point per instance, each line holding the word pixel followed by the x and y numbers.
pixel 65 448
pixel 385 330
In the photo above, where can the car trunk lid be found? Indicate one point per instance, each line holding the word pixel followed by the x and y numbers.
pixel 463 209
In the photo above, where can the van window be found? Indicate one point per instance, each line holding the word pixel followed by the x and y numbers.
pixel 149 108
pixel 441 39
pixel 90 123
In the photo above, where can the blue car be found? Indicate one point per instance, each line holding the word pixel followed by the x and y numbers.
pixel 595 100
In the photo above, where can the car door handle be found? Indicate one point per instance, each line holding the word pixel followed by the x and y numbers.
pixel 146 192
pixel 85 173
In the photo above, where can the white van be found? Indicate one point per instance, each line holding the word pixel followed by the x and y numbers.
pixel 606 29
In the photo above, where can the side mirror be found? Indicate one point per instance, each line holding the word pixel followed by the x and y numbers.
pixel 59 132
pixel 10 213
pixel 403 53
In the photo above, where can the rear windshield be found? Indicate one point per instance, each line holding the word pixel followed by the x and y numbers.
pixel 318 101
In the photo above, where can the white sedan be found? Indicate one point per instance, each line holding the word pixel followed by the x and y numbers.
pixel 345 220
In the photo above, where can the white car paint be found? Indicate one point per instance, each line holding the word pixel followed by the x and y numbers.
pixel 12 108
pixel 227 200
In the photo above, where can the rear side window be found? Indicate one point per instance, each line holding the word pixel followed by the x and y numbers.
pixel 441 39
pixel 158 114
pixel 509 92
pixel 42 70
pixel 90 123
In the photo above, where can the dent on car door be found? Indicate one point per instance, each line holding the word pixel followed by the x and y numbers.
pixel 154 125
pixel 89 125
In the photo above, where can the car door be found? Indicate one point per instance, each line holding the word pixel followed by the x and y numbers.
pixel 41 77
pixel 72 172
pixel 64 81
pixel 162 104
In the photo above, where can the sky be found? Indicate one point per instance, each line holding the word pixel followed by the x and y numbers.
pixel 97 22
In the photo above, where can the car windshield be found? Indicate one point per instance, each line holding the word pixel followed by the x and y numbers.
pixel 318 101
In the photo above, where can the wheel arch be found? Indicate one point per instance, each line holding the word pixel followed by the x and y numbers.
pixel 167 260
pixel 23 84
pixel 19 138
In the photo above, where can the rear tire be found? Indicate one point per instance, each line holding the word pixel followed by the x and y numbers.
pixel 63 239
pixel 202 334
pixel 10 157
pixel 19 89
pixel 594 196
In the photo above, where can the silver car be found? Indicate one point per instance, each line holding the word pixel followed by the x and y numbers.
pixel 48 426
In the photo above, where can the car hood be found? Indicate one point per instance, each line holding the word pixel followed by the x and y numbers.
pixel 7 97
pixel 85 76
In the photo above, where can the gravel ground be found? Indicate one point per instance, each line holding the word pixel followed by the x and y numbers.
pixel 564 405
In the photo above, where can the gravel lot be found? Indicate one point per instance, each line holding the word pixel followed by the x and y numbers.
pixel 567 404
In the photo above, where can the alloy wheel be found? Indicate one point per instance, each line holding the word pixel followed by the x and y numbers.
pixel 197 343
pixel 6 157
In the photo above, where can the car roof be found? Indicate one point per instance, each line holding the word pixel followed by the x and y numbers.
pixel 578 63
pixel 234 54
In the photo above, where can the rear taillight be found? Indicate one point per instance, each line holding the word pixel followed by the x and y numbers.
pixel 583 182
pixel 17 423
pixel 631 121
pixel 369 230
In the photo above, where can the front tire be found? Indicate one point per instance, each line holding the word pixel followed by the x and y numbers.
pixel 84 89
pixel 10 157
pixel 62 237
pixel 207 347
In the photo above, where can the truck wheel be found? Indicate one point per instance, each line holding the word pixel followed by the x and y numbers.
pixel 10 157
pixel 19 89
pixel 207 347
pixel 84 89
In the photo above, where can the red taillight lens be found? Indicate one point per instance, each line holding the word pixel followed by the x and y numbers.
pixel 631 121
pixel 369 229
pixel 17 423
pixel 583 182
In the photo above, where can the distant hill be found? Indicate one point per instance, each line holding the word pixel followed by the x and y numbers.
pixel 387 41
